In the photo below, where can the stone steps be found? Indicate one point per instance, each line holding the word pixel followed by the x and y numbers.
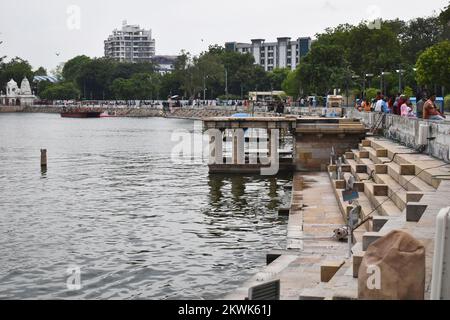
pixel 395 191
pixel 424 164
pixel 383 204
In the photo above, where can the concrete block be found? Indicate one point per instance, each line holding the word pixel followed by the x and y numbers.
pixel 381 169
pixel 366 143
pixel 358 186
pixel 357 259
pixel 380 190
pixel 414 211
pixel 329 269
pixel 407 169
pixel 378 223
pixel 349 155
pixel 369 238
pixel 414 196
pixel 382 153
pixel 340 184
pixel 361 168
pixel 364 154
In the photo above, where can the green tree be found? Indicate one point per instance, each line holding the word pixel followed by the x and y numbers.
pixel 433 66
pixel 72 68
pixel 41 71
pixel 15 69
pixel 418 35
pixel 444 19
pixel 277 77
pixel 60 91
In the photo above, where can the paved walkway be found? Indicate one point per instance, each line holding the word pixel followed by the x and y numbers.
pixel 314 216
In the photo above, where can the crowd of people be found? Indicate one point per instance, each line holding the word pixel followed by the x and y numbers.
pixel 401 105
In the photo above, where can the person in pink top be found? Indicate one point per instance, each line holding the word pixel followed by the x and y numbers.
pixel 405 108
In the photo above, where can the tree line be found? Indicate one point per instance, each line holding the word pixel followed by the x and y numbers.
pixel 389 56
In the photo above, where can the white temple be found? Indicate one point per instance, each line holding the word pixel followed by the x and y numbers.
pixel 15 96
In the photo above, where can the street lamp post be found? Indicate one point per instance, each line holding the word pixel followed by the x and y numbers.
pixel 400 73
pixel 385 82
pixel 370 76
pixel 204 88
pixel 226 83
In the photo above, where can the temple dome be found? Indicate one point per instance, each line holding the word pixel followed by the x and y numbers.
pixel 25 88
pixel 11 88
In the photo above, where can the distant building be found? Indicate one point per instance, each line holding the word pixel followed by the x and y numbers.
pixel 281 54
pixel 130 44
pixel 164 64
pixel 16 96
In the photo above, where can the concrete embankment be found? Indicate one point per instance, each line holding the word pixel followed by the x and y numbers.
pixel 183 113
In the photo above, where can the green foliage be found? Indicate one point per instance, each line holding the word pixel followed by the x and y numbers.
pixel 59 91
pixel 433 66
pixel 72 68
pixel 15 69
pixel 141 86
pixel 418 35
pixel 41 71
pixel 277 77
pixel 444 19
pixel 447 103
pixel 408 91
pixel 371 93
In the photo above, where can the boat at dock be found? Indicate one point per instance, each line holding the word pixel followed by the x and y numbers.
pixel 80 113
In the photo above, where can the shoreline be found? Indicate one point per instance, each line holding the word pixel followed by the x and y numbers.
pixel 182 113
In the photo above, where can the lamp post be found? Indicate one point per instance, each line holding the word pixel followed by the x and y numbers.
pixel 384 88
pixel 400 73
pixel 370 76
pixel 226 83
pixel 204 88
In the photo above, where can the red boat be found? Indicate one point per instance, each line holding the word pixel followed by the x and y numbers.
pixel 81 114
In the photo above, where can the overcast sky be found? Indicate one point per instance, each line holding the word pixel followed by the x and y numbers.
pixel 36 29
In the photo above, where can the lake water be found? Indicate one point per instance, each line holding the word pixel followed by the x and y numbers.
pixel 114 205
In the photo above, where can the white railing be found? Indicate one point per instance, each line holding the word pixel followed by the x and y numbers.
pixel 407 131
pixel 440 282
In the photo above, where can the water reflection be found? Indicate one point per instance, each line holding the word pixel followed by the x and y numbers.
pixel 241 189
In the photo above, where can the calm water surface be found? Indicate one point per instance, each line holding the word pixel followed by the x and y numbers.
pixel 113 204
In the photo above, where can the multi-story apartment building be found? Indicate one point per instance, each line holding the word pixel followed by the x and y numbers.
pixel 281 54
pixel 130 44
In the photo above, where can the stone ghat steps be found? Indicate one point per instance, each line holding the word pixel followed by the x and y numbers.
pixel 426 168
pixel 391 181
pixel 342 286
pixel 404 173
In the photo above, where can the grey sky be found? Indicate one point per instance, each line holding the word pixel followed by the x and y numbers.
pixel 37 29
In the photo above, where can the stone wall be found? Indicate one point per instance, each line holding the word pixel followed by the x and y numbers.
pixel 183 113
pixel 313 151
pixel 406 131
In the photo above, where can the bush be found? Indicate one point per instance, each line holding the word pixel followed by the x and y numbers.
pixel 409 92
pixel 447 103
pixel 60 91
pixel 371 93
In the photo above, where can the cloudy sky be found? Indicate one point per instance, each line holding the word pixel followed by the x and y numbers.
pixel 38 29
